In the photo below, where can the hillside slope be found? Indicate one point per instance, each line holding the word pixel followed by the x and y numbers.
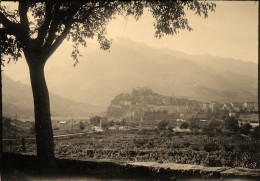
pixel 17 99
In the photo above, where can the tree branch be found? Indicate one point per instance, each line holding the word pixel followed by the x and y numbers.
pixel 67 20
pixel 23 16
pixel 11 28
pixel 48 52
pixel 50 47
pixel 89 11
pixel 54 25
pixel 43 29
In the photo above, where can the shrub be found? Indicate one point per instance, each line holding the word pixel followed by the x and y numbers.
pixel 245 129
pixel 140 142
pixel 186 144
pixel 228 147
pixel 195 147
pixel 82 127
pixel 150 143
pixel 184 126
pixel 212 161
pixel 231 123
pixel 211 147
pixel 255 133
pixel 176 146
pixel 162 125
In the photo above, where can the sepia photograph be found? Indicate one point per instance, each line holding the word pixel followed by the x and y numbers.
pixel 142 90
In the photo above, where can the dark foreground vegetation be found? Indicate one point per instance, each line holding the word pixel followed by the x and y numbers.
pixel 214 150
pixel 24 167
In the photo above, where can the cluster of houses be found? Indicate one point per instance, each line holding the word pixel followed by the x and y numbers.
pixel 238 107
pixel 63 125
pixel 144 104
pixel 245 118
pixel 66 125
pixel 75 125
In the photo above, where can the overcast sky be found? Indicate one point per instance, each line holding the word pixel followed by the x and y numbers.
pixel 231 31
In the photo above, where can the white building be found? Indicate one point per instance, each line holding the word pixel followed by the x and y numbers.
pixel 63 125
pixel 252 119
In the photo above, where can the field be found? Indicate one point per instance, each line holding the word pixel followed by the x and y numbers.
pixel 223 149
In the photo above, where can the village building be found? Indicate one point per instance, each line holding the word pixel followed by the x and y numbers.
pixel 251 106
pixel 63 125
pixel 232 114
pixel 205 106
pixel 252 119
pixel 204 122
pixel 201 116
pixel 178 129
pixel 96 128
pixel 236 105
pixel 123 128
pixel 125 103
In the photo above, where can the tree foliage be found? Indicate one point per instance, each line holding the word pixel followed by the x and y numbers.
pixel 231 123
pixel 184 125
pixel 95 120
pixel 162 125
pixel 37 29
pixel 123 122
pixel 44 25
pixel 214 126
pixel 105 126
pixel 255 133
pixel 81 126
pixel 194 125
pixel 245 129
pixel 32 129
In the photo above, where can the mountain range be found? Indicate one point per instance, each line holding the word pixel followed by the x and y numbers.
pixel 102 75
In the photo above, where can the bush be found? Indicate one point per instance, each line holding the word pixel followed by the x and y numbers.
pixel 211 134
pixel 218 130
pixel 231 124
pixel 168 134
pixel 162 125
pixel 186 144
pixel 82 127
pixel 245 129
pixel 228 147
pixel 195 147
pixel 140 142
pixel 212 161
pixel 211 147
pixel 176 146
pixel 150 143
pixel 184 126
pixel 255 133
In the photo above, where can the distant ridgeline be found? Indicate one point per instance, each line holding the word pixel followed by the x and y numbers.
pixel 143 104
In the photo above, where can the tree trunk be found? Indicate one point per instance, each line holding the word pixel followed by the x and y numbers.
pixel 1 120
pixel 43 126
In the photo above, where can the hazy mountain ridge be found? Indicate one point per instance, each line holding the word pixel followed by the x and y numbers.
pixel 218 64
pixel 103 75
pixel 18 99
